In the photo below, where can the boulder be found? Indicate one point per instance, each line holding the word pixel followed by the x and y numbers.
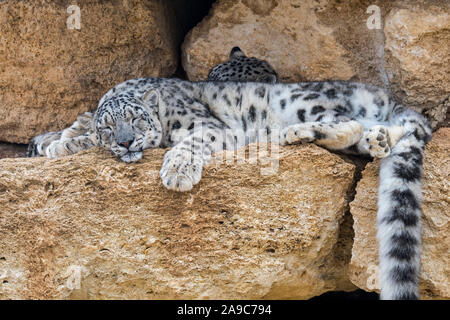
pixel 51 71
pixel 418 58
pixel 88 226
pixel 286 33
pixel 434 278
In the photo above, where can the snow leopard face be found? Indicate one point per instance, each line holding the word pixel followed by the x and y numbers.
pixel 127 125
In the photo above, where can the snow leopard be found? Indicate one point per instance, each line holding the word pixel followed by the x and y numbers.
pixel 239 67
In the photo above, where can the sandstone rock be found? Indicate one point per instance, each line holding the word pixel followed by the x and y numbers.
pixel 286 33
pixel 49 73
pixel 418 58
pixel 88 226
pixel 435 274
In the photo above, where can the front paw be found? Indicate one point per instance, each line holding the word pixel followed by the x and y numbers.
pixel 131 157
pixel 296 133
pixel 180 170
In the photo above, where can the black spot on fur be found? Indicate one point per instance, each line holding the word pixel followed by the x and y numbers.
pixel 227 101
pixel 311 96
pixel 264 115
pixel 319 135
pixel 408 218
pixel 282 104
pixel 191 126
pixel 252 113
pixel 403 246
pixel 330 93
pixel 244 124
pixel 403 274
pixel 414 155
pixel 340 109
pixel 260 91
pixel 295 97
pixel 407 172
pixel 362 112
pixel 405 199
pixel 301 115
pixel 317 109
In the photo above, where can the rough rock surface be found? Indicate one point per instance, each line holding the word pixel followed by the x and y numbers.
pixel 330 39
pixel 286 33
pixel 49 73
pixel 418 58
pixel 89 226
pixel 435 274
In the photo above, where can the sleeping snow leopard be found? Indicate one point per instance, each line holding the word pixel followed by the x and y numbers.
pixel 239 67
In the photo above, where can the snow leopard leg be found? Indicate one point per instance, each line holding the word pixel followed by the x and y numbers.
pixel 68 146
pixel 333 136
pixel 399 207
pixel 39 144
pixel 183 164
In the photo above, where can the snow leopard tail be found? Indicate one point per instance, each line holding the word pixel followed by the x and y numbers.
pixel 399 208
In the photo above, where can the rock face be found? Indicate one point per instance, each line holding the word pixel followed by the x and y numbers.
pixel 285 33
pixel 435 274
pixel 88 226
pixel 50 73
pixel 330 39
pixel 418 58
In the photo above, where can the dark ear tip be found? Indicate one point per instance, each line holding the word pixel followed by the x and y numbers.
pixel 236 51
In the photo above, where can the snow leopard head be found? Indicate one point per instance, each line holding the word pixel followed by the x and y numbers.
pixel 241 68
pixel 127 125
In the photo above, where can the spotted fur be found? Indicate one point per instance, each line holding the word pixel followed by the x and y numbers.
pixel 239 67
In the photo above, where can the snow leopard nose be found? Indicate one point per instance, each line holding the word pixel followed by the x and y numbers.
pixel 125 144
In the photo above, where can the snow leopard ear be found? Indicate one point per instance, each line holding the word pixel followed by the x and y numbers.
pixel 151 97
pixel 236 52
pixel 85 120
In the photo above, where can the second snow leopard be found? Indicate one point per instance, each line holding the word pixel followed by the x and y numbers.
pixel 80 135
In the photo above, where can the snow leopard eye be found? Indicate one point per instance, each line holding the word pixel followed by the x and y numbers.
pixel 105 129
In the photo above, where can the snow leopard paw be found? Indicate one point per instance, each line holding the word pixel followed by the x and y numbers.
pixel 180 170
pixel 297 133
pixel 377 140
